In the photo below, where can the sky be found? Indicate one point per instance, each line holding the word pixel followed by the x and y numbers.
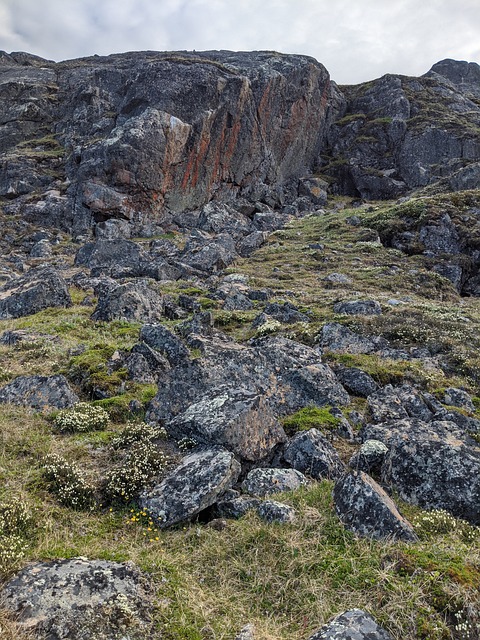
pixel 357 40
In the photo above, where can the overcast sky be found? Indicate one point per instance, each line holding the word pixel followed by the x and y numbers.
pixel 356 40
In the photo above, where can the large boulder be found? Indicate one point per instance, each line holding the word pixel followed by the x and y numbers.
pixel 38 289
pixel 311 453
pixel 364 508
pixel 238 420
pixel 433 465
pixel 286 374
pixel 354 624
pixel 133 302
pixel 80 598
pixel 42 393
pixel 263 482
pixel 194 485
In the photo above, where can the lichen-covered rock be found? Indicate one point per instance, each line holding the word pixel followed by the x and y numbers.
pixel 286 374
pixel 337 338
pixel 358 307
pixel 354 624
pixel 458 398
pixel 433 465
pixel 369 457
pixel 312 454
pixel 108 253
pixel 240 421
pixel 268 510
pixel 384 405
pixel 356 381
pixel 163 340
pixel 80 599
pixel 195 484
pixel 43 393
pixel 133 302
pixel 38 289
pixel 263 482
pixel 364 508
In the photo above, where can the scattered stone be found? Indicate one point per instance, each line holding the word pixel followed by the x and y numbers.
pixel 351 625
pixel 262 482
pixel 194 485
pixel 99 599
pixel 268 510
pixel 369 458
pixel 356 381
pixel 41 249
pixel 458 398
pixel 364 508
pixel 337 278
pixel 132 302
pixel 246 633
pixel 358 307
pixel 312 454
pixel 42 393
pixel 163 340
pixel 40 288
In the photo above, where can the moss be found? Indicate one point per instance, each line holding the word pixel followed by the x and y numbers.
pixel 310 418
pixel 351 117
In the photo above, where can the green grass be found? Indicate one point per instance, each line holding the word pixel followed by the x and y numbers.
pixel 310 418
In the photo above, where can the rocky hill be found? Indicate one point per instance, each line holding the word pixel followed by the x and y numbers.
pixel 239 338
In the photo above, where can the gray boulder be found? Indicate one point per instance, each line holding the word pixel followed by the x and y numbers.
pixel 351 625
pixel 432 465
pixel 42 393
pixel 194 485
pixel 356 381
pixel 358 307
pixel 385 405
pixel 99 599
pixel 109 253
pixel 38 289
pixel 458 398
pixel 337 338
pixel 133 302
pixel 263 482
pixel 369 457
pixel 268 510
pixel 312 454
pixel 163 340
pixel 364 508
pixel 238 420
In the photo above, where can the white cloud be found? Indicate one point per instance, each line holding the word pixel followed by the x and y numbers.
pixel 356 40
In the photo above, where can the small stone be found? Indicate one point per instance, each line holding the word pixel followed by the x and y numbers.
pixel 262 482
pixel 351 625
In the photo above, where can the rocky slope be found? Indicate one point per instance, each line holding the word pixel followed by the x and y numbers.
pixel 235 400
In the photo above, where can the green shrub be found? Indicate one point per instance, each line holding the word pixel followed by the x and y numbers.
pixel 68 483
pixel 82 417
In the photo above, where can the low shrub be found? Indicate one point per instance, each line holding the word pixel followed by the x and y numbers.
pixel 135 432
pixel 68 483
pixel 143 462
pixel 82 417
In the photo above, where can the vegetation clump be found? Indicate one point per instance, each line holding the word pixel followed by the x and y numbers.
pixel 68 483
pixel 310 418
pixel 15 524
pixel 81 418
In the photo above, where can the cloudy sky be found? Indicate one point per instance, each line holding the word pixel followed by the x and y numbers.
pixel 356 40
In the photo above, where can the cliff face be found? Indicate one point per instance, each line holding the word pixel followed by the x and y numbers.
pixel 401 133
pixel 148 134
pixel 144 137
